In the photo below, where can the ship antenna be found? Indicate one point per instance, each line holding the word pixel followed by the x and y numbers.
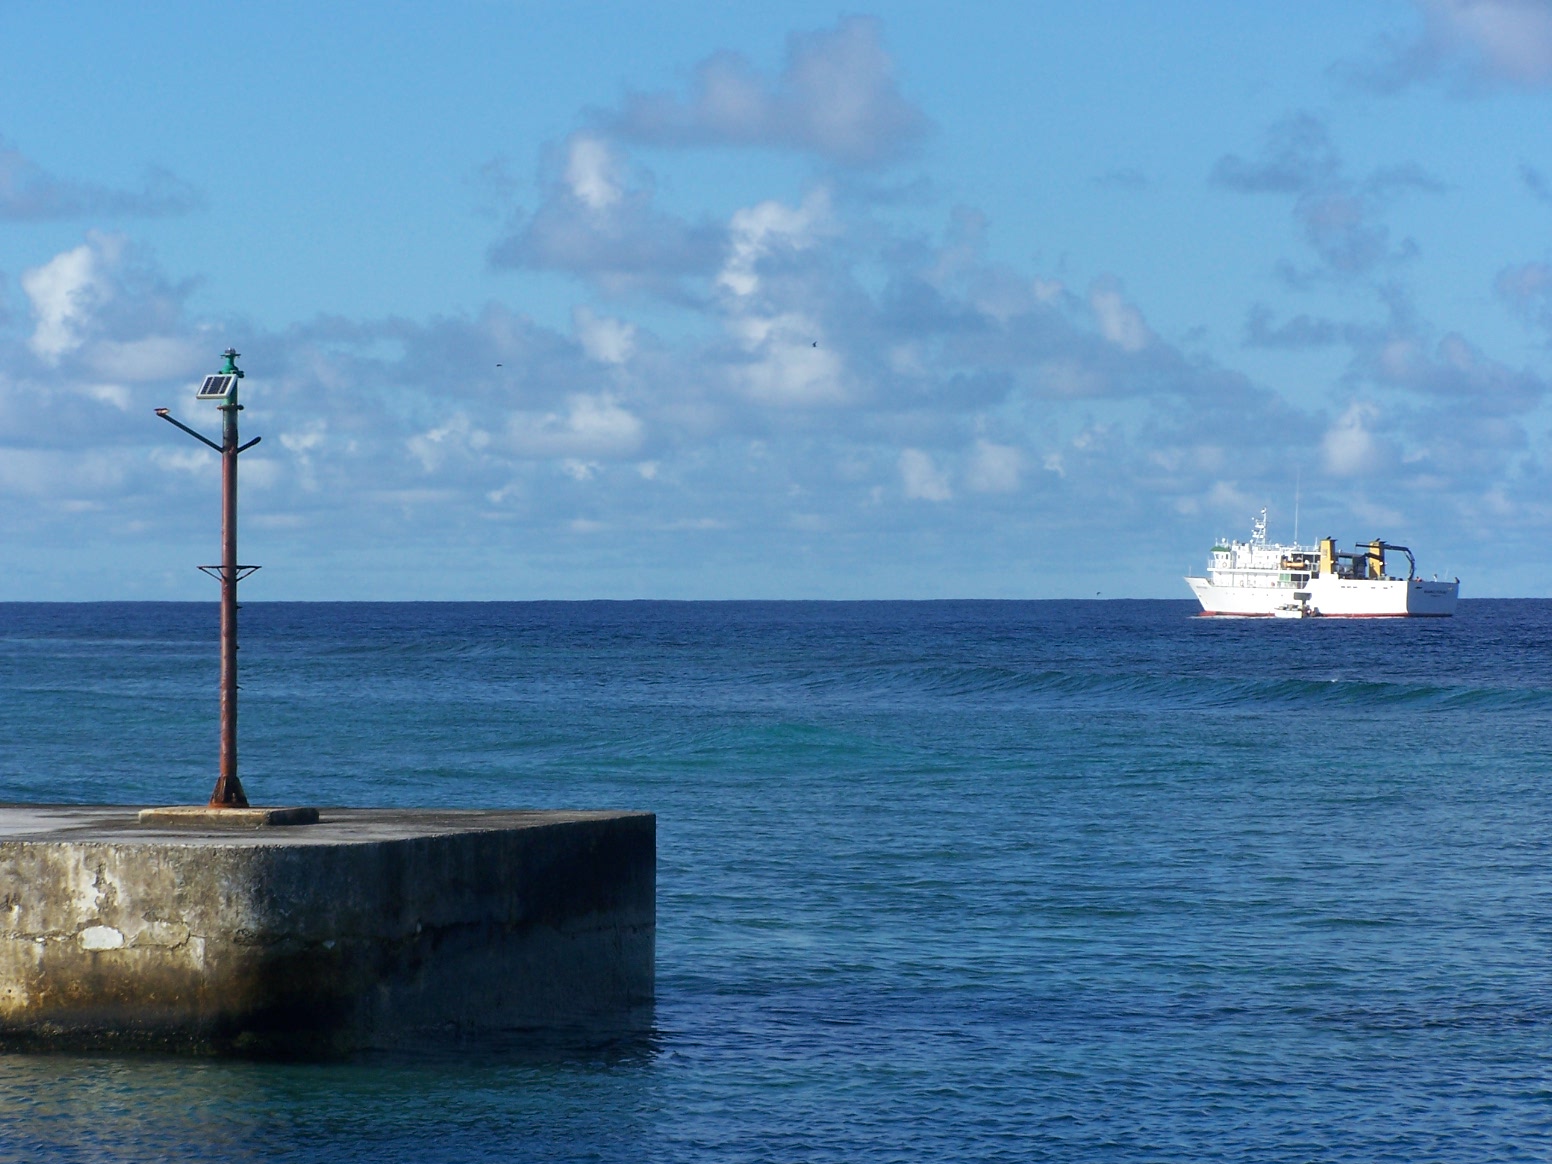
pixel 1297 477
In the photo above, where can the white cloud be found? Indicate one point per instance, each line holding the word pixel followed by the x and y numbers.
pixel 594 224
pixel 593 426
pixel 1471 44
pixel 184 460
pixel 1070 377
pixel 1227 497
pixel 592 172
pixel 1338 214
pixel 609 341
pixel 1348 445
pixel 1375 515
pixel 152 357
pixel 63 292
pixel 921 478
pixel 29 193
pixel 802 363
pixel 1454 371
pixel 1512 37
pixel 1527 289
pixel 994 468
pixel 304 443
pixel 786 368
pixel 434 446
pixel 265 473
pixel 1119 322
pixel 112 394
pixel 54 476
pixel 309 438
pixel 287 521
pixel 756 231
pixel 694 523
pixel 836 97
pixel 789 360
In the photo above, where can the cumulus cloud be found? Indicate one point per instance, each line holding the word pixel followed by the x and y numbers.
pixel 994 468
pixel 921 479
pixel 818 402
pixel 593 173
pixel 1510 40
pixel 598 222
pixel 1119 321
pixel 100 307
pixel 836 97
pixel 812 366
pixel 63 293
pixel 29 193
pixel 1349 445
pixel 455 437
pixel 1526 288
pixel 838 369
pixel 1341 229
pixel 1469 44
pixel 1438 414
pixel 1456 370
pixel 607 340
pixel 1338 215
pixel 756 231
pixel 1300 332
pixel 781 367
pixel 148 358
pixel 769 299
pixel 589 427
pixel 1296 157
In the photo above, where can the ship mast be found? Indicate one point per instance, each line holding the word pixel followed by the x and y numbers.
pixel 1297 480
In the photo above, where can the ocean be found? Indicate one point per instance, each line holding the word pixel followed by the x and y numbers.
pixel 937 881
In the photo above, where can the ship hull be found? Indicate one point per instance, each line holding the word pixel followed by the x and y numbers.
pixel 1331 597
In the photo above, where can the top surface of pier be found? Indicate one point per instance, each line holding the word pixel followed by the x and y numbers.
pixel 119 824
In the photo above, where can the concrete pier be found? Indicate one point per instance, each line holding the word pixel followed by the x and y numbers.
pixel 373 928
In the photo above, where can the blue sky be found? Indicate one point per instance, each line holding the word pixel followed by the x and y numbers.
pixel 713 301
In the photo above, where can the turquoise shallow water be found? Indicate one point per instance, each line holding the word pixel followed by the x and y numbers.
pixel 937 881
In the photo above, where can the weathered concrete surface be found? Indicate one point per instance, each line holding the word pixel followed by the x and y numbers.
pixel 374 928
pixel 205 816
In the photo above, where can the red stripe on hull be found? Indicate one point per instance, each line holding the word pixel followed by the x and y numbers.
pixel 1403 614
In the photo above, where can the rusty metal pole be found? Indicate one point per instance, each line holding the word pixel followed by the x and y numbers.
pixel 229 790
pixel 223 387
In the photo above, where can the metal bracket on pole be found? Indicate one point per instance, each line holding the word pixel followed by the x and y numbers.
pixel 199 436
pixel 219 572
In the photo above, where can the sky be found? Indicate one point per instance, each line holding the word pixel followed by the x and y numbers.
pixel 704 301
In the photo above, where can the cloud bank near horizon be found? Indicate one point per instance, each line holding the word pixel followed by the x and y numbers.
pixel 811 371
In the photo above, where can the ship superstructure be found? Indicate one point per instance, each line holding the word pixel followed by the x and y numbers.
pixel 1264 579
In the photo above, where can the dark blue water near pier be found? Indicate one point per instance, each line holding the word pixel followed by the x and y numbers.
pixel 937 881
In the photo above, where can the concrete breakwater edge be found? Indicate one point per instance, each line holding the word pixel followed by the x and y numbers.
pixel 371 929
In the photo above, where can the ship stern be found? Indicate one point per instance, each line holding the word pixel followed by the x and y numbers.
pixel 1426 599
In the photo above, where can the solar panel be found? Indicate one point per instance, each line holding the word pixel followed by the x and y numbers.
pixel 216 387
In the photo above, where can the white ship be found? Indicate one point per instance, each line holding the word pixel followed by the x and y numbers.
pixel 1257 579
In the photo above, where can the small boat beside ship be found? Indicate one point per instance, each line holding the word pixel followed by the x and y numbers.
pixel 1261 579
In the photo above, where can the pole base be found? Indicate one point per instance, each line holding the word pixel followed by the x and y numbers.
pixel 204 816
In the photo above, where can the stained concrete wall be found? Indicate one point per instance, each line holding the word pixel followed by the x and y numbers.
pixel 371 929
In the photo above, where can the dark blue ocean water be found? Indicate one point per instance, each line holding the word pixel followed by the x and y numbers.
pixel 937 881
